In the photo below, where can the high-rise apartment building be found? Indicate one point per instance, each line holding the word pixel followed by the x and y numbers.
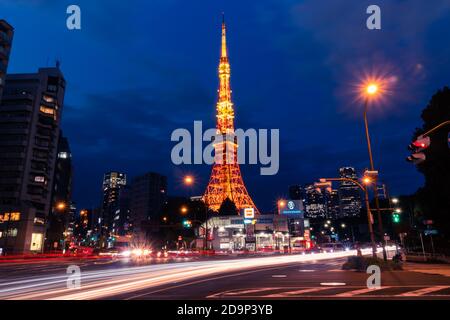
pixel 30 116
pixel 6 37
pixel 61 208
pixel 112 183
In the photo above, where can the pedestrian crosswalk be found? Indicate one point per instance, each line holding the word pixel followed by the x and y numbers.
pixel 333 292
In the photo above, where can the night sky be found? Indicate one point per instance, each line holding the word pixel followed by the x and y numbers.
pixel 140 69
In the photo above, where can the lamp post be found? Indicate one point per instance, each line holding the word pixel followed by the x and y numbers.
pixel 371 90
pixel 189 181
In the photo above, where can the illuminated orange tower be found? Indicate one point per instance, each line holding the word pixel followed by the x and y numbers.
pixel 226 180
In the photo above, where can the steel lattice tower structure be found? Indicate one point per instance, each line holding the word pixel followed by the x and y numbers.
pixel 226 180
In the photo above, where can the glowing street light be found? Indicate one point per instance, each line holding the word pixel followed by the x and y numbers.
pixel 395 201
pixel 367 180
pixel 60 206
pixel 372 89
pixel 188 180
pixel 184 209
pixel 343 225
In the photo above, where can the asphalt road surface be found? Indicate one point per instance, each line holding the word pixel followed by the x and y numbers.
pixel 316 276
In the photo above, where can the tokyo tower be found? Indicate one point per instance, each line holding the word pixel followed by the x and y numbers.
pixel 226 180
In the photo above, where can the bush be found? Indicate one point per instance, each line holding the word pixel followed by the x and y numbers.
pixel 361 263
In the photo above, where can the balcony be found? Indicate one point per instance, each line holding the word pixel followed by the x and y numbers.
pixel 4 53
pixel 24 131
pixel 18 107
pixel 5 37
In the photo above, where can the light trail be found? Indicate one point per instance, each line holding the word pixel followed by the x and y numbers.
pixel 105 283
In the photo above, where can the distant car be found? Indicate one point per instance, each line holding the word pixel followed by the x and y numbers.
pixel 332 247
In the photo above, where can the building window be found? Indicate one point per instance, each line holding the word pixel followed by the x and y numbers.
pixel 36 241
pixel 62 155
pixel 40 221
pixel 47 110
pixel 48 98
pixel 40 179
pixel 11 233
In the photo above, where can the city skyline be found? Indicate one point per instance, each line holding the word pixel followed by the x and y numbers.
pixel 222 156
pixel 166 76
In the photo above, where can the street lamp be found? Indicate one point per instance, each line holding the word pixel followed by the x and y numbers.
pixel 188 180
pixel 395 200
pixel 60 206
pixel 372 89
pixel 184 210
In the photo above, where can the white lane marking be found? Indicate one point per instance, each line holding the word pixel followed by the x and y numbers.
pixel 332 284
pixel 360 291
pixel 234 293
pixel 279 276
pixel 306 270
pixel 421 292
pixel 294 293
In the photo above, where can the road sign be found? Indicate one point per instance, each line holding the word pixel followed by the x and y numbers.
pixel 430 232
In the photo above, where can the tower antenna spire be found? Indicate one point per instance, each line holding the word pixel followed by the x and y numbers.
pixel 224 38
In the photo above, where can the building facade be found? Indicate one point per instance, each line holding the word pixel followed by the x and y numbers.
pixel 148 197
pixel 6 37
pixel 268 232
pixel 113 182
pixel 61 209
pixel 349 194
pixel 30 116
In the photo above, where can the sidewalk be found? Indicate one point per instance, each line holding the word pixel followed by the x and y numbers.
pixel 439 269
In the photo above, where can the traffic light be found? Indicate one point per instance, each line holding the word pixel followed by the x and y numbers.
pixel 187 223
pixel 396 218
pixel 417 146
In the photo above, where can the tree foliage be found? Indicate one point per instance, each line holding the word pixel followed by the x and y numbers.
pixel 434 197
pixel 228 208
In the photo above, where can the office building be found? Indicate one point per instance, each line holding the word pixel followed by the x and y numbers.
pixel 148 197
pixel 349 194
pixel 315 202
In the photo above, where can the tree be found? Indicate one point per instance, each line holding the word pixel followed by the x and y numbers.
pixel 434 197
pixel 228 208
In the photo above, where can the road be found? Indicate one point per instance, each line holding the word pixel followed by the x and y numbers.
pixel 316 276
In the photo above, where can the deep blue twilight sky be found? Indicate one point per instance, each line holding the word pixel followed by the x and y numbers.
pixel 140 69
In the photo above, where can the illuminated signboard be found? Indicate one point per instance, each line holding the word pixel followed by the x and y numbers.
pixel 249 213
pixel 293 208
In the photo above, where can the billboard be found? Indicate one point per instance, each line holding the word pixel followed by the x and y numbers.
pixel 293 208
